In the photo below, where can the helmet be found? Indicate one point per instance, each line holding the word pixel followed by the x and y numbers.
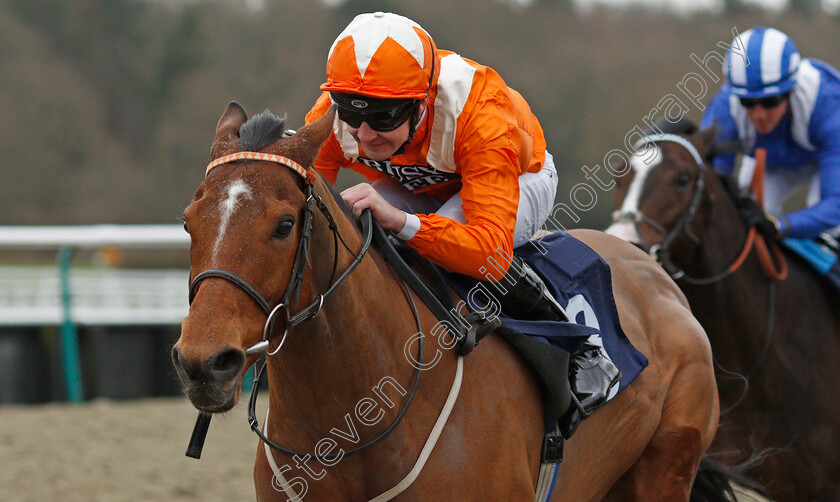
pixel 381 55
pixel 767 69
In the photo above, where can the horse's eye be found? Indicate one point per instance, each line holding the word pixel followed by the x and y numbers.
pixel 684 178
pixel 184 220
pixel 284 227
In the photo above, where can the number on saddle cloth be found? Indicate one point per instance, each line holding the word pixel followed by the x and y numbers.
pixel 580 281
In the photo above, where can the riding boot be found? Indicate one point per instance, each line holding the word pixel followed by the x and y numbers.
pixel 591 373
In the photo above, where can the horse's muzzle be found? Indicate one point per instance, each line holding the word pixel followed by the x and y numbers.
pixel 211 384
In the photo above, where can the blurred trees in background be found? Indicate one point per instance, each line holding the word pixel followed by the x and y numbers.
pixel 109 106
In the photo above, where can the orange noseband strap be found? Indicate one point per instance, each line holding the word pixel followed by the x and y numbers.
pixel 307 173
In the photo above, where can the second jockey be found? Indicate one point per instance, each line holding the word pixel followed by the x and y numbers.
pixel 789 106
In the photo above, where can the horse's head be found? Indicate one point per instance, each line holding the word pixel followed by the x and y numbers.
pixel 245 223
pixel 663 200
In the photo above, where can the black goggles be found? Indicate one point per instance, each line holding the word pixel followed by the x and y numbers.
pixel 379 120
pixel 766 103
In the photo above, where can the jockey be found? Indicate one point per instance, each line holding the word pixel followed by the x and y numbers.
pixel 458 165
pixel 789 106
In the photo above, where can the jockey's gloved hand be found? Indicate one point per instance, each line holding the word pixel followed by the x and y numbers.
pixel 754 216
pixel 769 227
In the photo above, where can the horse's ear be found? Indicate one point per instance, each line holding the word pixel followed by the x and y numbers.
pixel 704 140
pixel 308 140
pixel 226 140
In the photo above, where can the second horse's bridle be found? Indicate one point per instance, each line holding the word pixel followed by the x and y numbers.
pixel 661 252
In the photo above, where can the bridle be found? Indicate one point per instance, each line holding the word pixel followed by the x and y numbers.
pixel 661 251
pixel 296 278
pixel 301 258
pixel 774 266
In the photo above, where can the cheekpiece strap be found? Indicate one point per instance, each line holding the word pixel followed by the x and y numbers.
pixel 307 174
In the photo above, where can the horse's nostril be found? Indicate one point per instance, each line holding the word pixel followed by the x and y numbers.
pixel 179 361
pixel 227 364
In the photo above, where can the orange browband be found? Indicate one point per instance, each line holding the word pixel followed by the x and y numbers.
pixel 307 174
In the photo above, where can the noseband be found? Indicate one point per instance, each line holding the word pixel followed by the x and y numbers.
pixel 301 258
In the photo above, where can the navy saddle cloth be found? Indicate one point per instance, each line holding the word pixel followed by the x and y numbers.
pixel 580 280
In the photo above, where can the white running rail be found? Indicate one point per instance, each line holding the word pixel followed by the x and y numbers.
pixel 68 295
pixel 98 296
pixel 32 296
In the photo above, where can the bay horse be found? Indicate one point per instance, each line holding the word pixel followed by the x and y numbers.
pixel 776 343
pixel 339 364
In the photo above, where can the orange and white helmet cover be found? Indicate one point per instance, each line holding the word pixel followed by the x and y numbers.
pixel 381 55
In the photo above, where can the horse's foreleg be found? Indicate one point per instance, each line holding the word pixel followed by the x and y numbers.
pixel 666 469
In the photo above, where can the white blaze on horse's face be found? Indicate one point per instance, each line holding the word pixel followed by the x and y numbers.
pixel 237 190
pixel 641 163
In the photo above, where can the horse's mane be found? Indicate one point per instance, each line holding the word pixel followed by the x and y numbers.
pixel 261 131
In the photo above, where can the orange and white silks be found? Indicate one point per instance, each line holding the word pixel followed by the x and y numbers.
pixel 477 136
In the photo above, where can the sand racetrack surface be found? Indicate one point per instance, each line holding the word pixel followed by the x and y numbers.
pixel 123 451
pixel 129 451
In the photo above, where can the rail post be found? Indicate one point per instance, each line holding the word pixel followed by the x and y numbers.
pixel 71 361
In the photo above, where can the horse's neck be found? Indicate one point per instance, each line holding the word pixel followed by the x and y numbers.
pixel 734 306
pixel 723 238
pixel 353 350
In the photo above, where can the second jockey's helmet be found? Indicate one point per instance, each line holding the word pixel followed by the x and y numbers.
pixel 381 55
pixel 762 62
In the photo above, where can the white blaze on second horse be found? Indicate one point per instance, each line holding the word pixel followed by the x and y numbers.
pixel 642 163
pixel 237 190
